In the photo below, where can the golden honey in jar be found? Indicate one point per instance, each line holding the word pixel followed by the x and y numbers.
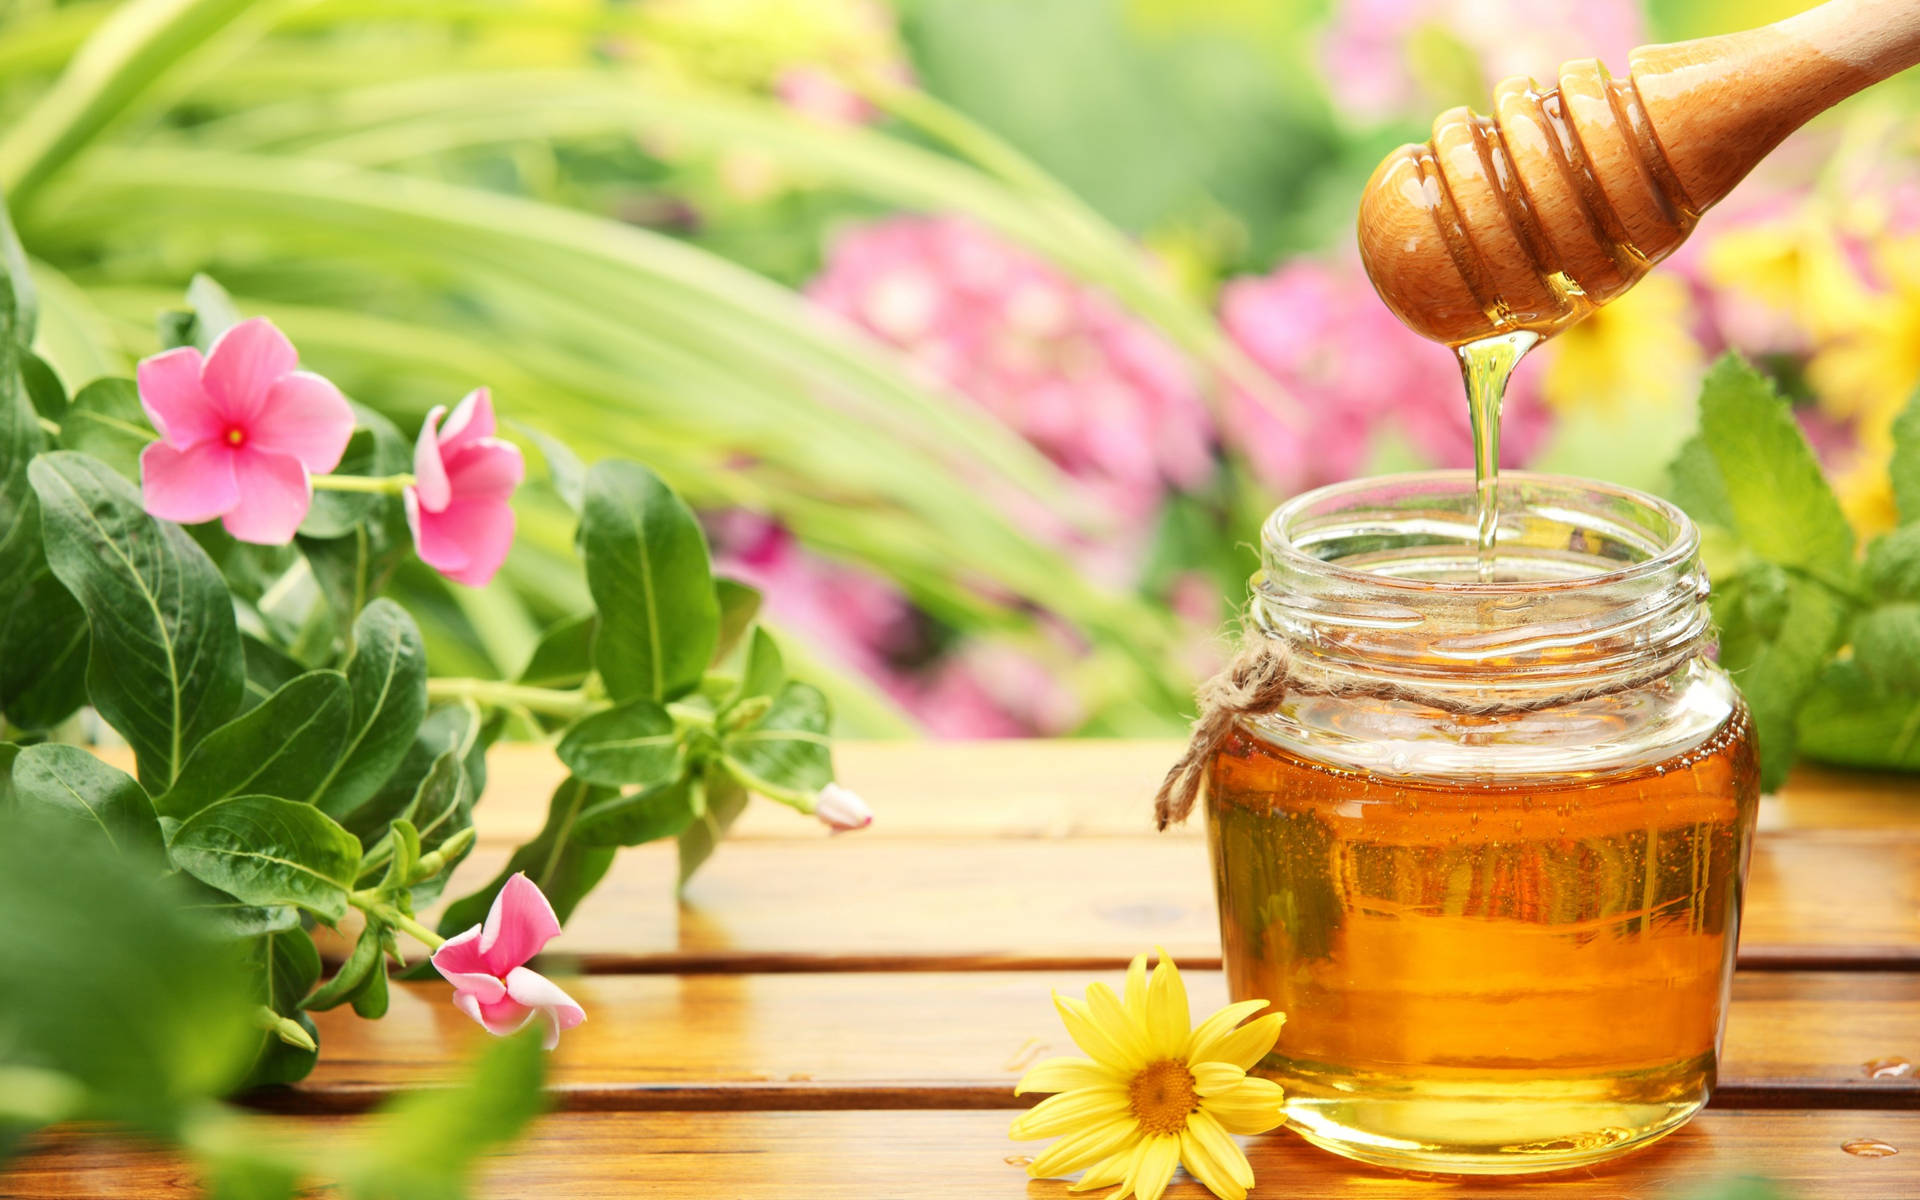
pixel 1488 854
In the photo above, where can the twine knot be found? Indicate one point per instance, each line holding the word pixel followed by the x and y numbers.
pixel 1254 682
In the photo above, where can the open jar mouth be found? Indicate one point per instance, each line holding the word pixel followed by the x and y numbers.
pixel 1592 583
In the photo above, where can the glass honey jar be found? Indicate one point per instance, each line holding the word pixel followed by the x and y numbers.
pixel 1487 854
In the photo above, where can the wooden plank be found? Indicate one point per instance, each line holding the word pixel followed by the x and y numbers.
pixel 1848 900
pixel 934 1040
pixel 966 1156
pixel 1082 788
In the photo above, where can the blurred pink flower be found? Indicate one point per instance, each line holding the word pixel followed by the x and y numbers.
pixel 240 433
pixel 1321 331
pixel 990 691
pixel 1103 395
pixel 1386 58
pixel 463 476
pixel 841 809
pixel 487 966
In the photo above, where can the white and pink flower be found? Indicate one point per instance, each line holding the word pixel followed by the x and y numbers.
pixel 487 966
pixel 458 504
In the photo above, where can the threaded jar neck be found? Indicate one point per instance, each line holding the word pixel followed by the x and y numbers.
pixel 1373 585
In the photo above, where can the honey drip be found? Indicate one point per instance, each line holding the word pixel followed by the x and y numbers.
pixel 1495 975
pixel 1486 366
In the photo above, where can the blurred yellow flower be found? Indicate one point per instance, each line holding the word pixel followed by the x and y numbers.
pixel 1794 266
pixel 1157 1093
pixel 1865 372
pixel 753 43
pixel 1635 353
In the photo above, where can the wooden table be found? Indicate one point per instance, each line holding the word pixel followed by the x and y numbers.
pixel 845 1017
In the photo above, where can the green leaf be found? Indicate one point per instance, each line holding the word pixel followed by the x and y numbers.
pixel 44 389
pixel 425 1144
pixel 663 810
pixel 22 298
pixel 1779 502
pixel 388 676
pixel 165 666
pixel 765 670
pixel 269 668
pixel 371 1001
pixel 232 916
pixel 1905 466
pixel 630 744
pixel 109 981
pixel 1852 721
pixel 285 968
pixel 73 783
pixel 1886 643
pixel 443 730
pixel 1776 673
pixel 1695 484
pixel 348 982
pixel 268 851
pixel 106 421
pixel 788 752
pixel 442 809
pixel 564 655
pixel 648 571
pixel 723 800
pixel 739 606
pixel 566 474
pixel 277 748
pixel 214 311
pixel 1892 567
pixel 561 865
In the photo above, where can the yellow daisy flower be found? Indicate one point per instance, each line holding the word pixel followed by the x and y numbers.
pixel 1157 1093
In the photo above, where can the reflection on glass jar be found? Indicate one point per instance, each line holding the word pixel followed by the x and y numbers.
pixel 1488 856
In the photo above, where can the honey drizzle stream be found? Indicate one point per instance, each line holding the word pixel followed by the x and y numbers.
pixel 1486 366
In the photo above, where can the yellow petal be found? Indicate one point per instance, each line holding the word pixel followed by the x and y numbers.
pixel 1256 1106
pixel 1137 987
pixel 1107 1172
pixel 1168 1021
pixel 1248 1044
pixel 1154 1167
pixel 1201 1044
pixel 1095 1039
pixel 1212 1078
pixel 1127 1032
pixel 1214 1159
pixel 1065 1074
pixel 1080 1150
pixel 1069 1111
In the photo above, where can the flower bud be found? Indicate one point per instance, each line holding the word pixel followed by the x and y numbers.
pixel 841 809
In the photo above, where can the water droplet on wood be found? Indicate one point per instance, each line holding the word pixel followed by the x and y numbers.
pixel 1869 1148
pixel 1891 1067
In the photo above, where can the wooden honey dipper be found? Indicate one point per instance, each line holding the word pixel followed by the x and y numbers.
pixel 1561 200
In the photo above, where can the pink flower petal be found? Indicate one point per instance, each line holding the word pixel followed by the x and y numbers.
pixel 459 959
pixel 244 364
pixel 467 542
pixel 519 923
pixel 499 1018
pixel 488 469
pixel 538 992
pixel 275 494
pixel 188 486
pixel 304 417
pixel 170 392
pixel 471 421
pixel 429 467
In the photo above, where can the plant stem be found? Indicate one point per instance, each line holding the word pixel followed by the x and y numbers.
pixel 370 903
pixel 50 428
pixel 551 701
pixel 384 485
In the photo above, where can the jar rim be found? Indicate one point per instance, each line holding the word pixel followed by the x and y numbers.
pixel 1278 542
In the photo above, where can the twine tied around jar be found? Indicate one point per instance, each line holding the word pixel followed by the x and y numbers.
pixel 1254 682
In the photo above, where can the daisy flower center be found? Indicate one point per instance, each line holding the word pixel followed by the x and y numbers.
pixel 1162 1096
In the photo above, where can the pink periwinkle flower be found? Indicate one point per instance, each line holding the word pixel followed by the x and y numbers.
pixel 1370 53
pixel 487 966
pixel 1102 394
pixel 242 432
pixel 841 809
pixel 1320 330
pixel 457 506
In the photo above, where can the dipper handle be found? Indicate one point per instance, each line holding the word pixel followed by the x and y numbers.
pixel 1564 198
